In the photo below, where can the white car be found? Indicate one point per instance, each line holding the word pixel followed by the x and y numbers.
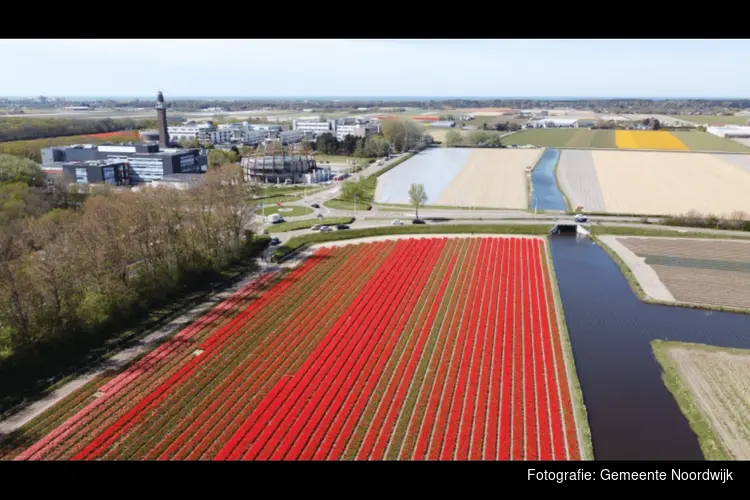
pixel 325 229
pixel 397 223
pixel 581 218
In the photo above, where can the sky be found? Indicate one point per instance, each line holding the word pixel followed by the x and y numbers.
pixel 466 68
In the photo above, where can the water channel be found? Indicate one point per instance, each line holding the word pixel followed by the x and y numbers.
pixel 545 194
pixel 631 413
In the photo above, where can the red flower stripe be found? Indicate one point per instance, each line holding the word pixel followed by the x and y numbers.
pixel 463 390
pixel 99 444
pixel 444 412
pixel 330 399
pixel 529 408
pixel 143 366
pixel 335 415
pixel 555 412
pixel 479 361
pixel 571 439
pixel 427 424
pixel 279 351
pixel 367 427
pixel 517 436
pixel 477 431
pixel 342 430
pixel 248 432
pixel 484 440
pixel 248 421
pixel 448 309
pixel 506 379
pixel 542 388
pixel 355 338
pixel 405 379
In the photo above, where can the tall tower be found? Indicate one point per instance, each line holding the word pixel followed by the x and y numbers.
pixel 161 120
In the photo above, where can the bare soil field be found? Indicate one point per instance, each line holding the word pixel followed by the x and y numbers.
pixel 712 387
pixel 492 178
pixel 744 142
pixel 700 272
pixel 669 183
pixel 577 177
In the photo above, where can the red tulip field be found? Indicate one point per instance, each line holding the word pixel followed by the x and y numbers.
pixel 431 348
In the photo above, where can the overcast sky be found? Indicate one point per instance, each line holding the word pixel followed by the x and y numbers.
pixel 507 68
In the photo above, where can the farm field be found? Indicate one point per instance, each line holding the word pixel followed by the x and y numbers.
pixel 31 148
pixel 492 178
pixel 647 139
pixel 563 138
pixel 642 182
pixel 715 273
pixel 703 141
pixel 710 385
pixel 715 120
pixel 422 348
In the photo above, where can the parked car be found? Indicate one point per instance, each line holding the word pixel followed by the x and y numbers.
pixel 316 227
pixel 275 241
pixel 418 221
pixel 315 205
pixel 265 231
pixel 341 227
pixel 396 223
pixel 581 218
pixel 325 229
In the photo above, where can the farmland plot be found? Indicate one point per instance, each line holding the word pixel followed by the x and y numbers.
pixel 421 348
pixel 578 180
pixel 711 387
pixel 708 272
pixel 648 139
pixel 640 182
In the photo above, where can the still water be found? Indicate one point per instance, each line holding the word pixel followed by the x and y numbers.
pixel 545 195
pixel 631 413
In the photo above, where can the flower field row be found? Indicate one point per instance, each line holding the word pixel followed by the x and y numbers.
pixel 411 349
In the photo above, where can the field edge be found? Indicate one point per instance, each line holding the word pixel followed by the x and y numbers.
pixel 635 285
pixel 583 430
pixel 711 446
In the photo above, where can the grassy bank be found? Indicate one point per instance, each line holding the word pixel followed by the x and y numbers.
pixel 645 231
pixel 308 223
pixel 710 444
pixel 299 242
pixel 362 206
pixel 579 406
pixel 294 211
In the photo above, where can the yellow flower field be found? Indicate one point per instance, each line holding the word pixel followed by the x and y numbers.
pixel 647 139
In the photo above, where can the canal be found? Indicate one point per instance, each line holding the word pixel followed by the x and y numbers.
pixel 631 413
pixel 545 194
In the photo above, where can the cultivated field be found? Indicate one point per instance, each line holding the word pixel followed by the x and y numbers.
pixel 624 139
pixel 647 139
pixel 431 348
pixel 711 387
pixel 493 178
pixel 639 182
pixel 706 272
pixel 715 120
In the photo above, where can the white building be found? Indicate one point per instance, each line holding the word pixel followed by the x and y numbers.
pixel 730 131
pixel 315 127
pixel 443 124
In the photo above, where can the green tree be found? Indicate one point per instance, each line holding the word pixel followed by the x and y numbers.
pixel 15 169
pixel 453 138
pixel 417 196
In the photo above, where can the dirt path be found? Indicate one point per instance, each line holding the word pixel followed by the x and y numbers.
pixel 719 381
pixel 646 276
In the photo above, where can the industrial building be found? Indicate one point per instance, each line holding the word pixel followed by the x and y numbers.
pixel 443 124
pixel 114 172
pixel 277 162
pixel 340 128
pixel 730 131
pixel 146 162
pixel 560 123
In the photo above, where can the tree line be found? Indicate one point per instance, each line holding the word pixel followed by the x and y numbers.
pixel 31 149
pixel 479 138
pixel 19 129
pixel 79 271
